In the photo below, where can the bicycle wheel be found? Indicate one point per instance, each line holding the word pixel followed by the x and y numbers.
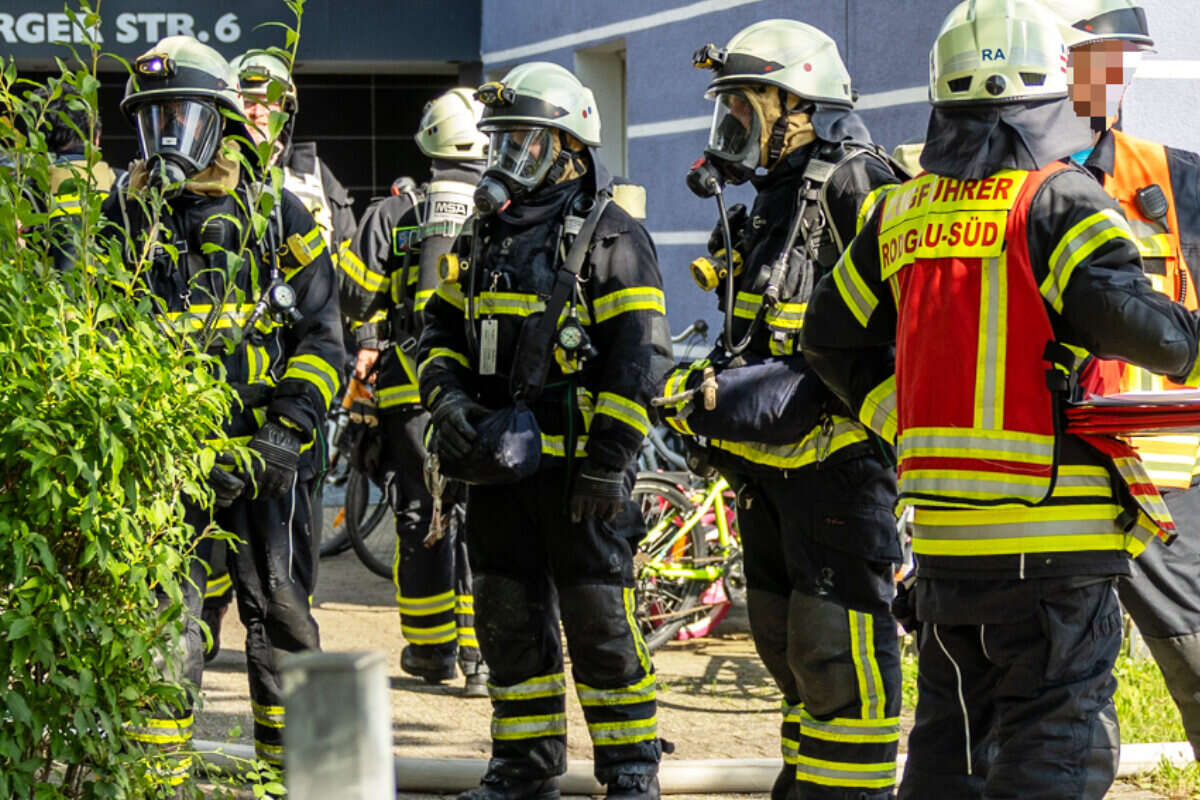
pixel 366 513
pixel 336 538
pixel 666 604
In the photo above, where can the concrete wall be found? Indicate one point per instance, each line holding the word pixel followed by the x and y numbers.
pixel 885 44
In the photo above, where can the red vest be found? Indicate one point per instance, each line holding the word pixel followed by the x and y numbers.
pixel 976 420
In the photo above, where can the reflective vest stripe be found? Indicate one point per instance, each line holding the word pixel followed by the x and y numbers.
pixel 999 444
pixel 991 350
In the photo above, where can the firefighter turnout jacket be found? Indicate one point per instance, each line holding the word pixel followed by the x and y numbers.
pixel 945 325
pixel 592 406
pixel 1169 243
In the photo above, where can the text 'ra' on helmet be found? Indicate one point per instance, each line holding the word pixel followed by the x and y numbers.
pixel 181 67
pixel 449 127
pixel 540 94
pixel 1103 20
pixel 257 69
pixel 786 53
pixel 998 51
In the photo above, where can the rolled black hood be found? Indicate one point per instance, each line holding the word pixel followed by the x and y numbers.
pixel 973 142
pixel 833 124
pixel 461 171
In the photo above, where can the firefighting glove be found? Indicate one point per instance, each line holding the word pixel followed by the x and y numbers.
pixel 737 221
pixel 453 418
pixel 279 449
pixel 903 607
pixel 227 486
pixel 599 494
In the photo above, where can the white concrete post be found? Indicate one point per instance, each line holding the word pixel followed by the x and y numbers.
pixel 338 739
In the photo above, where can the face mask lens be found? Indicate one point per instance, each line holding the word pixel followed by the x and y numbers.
pixel 188 130
pixel 734 127
pixel 523 154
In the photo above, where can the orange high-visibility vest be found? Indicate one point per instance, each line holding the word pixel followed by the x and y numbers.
pixel 976 419
pixel 1169 460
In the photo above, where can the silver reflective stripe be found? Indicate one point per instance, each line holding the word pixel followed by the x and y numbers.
pixel 641 692
pixel 989 400
pixel 529 727
pixel 1068 257
pixel 859 777
pixel 612 733
pixel 885 732
pixel 542 686
pixel 965 487
pixel 1021 530
pixel 790 750
pixel 984 445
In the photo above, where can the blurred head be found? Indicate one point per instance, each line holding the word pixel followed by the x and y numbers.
pixel 263 75
pixel 65 126
pixel 1099 74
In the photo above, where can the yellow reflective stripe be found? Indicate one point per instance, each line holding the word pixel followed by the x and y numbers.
pixel 857 731
pixel 638 298
pixel 66 205
pixel 443 352
pixel 789 749
pixel 786 316
pixel 635 629
pixel 812 448
pixel 531 727
pixel 853 289
pixel 466 638
pixel 215 587
pixel 792 713
pixel 465 604
pixel 866 667
pixel 845 773
pixel 452 294
pixel 268 716
pixel 317 371
pixel 305 249
pixel 991 348
pixel 434 604
pixel 354 268
pixel 623 410
pixel 746 305
pixel 556 445
pixel 868 205
pixel 421 298
pixel 608 734
pixel 974 484
pixel 392 396
pixel 640 692
pixel 680 425
pixel 976 443
pixel 437 634
pixel 1077 244
pixel 542 686
pixel 878 410
pixel 270 753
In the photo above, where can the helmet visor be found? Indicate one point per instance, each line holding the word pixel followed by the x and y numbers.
pixel 188 129
pixel 522 154
pixel 736 129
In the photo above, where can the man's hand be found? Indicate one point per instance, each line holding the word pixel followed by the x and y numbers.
pixel 599 494
pixel 365 363
pixel 279 448
pixel 737 220
pixel 227 486
pixel 454 417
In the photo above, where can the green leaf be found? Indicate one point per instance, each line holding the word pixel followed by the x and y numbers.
pixel 20 628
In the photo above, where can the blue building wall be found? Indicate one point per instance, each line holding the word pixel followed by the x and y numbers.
pixel 885 44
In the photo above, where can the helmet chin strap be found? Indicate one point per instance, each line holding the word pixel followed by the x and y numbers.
pixel 566 157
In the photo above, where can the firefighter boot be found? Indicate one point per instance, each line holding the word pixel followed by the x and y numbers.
pixel 495 787
pixel 477 678
pixel 429 663
pixel 633 787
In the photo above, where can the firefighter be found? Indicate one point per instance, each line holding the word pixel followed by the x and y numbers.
pixel 276 331
pixel 307 177
pixel 814 504
pixel 1154 186
pixel 387 274
pixel 952 324
pixel 537 361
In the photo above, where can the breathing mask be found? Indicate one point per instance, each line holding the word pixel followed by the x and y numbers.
pixel 178 138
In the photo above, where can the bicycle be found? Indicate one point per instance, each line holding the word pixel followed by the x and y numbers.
pixel 691 542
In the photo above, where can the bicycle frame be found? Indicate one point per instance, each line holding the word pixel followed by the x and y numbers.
pixel 714 499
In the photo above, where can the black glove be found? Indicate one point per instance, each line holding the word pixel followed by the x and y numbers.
pixel 599 494
pixel 227 486
pixel 279 447
pixel 903 608
pixel 453 418
pixel 737 221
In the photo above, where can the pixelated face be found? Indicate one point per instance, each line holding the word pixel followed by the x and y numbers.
pixel 258 111
pixel 1099 73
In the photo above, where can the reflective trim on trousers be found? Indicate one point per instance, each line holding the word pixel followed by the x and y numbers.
pixel 842 773
pixel 641 692
pixel 607 734
pixel 541 686
pixel 532 727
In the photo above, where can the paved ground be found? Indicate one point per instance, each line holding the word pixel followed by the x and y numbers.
pixel 715 698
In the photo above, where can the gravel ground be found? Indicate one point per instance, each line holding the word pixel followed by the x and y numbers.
pixel 715 698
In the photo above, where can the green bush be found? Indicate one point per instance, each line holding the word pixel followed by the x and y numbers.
pixel 104 416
